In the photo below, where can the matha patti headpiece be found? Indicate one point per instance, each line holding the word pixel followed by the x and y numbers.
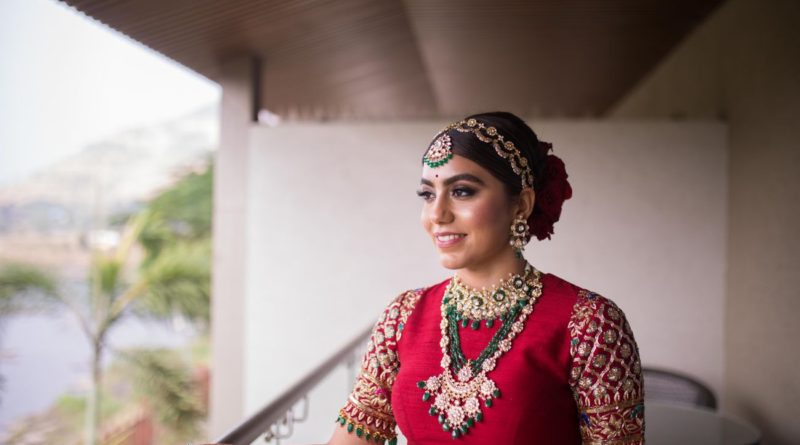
pixel 439 152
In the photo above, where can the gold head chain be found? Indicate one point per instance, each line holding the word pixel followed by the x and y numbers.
pixel 440 151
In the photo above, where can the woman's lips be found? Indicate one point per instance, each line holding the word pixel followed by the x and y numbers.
pixel 448 239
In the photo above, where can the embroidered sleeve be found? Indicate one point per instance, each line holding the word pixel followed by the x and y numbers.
pixel 606 374
pixel 368 411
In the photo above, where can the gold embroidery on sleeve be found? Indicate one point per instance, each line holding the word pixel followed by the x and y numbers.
pixel 606 374
pixel 368 411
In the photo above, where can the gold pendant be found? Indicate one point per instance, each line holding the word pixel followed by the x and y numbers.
pixel 458 401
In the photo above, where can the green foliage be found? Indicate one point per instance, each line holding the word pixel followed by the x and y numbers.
pixel 24 287
pixel 60 424
pixel 45 428
pixel 174 230
pixel 178 282
pixel 71 408
pixel 200 350
pixel 71 405
pixel 164 382
pixel 107 272
pixel 181 213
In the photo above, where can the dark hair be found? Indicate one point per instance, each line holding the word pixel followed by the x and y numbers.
pixel 550 178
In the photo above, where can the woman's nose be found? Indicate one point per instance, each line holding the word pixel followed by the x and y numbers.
pixel 440 212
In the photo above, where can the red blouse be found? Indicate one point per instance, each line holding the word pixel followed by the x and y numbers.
pixel 572 375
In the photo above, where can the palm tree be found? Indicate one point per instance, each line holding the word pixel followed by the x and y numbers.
pixel 176 281
pixel 171 278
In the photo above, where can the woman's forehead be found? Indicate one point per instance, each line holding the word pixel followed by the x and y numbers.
pixel 455 166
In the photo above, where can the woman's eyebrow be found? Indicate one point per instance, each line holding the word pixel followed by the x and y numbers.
pixel 460 177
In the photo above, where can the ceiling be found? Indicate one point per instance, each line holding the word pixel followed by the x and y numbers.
pixel 340 59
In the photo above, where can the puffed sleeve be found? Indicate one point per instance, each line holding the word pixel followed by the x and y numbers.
pixel 606 374
pixel 368 411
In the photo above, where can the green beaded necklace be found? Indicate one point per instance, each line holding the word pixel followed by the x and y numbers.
pixel 457 400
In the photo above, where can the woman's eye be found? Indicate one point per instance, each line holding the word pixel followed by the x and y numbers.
pixel 463 192
pixel 425 195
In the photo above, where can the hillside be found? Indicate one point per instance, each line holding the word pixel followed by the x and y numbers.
pixel 111 175
pixel 51 218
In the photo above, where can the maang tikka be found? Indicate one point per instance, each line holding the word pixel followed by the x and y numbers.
pixel 439 152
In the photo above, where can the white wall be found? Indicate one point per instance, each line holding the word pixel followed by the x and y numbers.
pixel 743 65
pixel 646 228
pixel 333 234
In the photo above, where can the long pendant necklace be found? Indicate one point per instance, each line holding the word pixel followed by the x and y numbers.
pixel 458 390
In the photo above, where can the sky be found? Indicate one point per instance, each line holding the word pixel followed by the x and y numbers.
pixel 67 81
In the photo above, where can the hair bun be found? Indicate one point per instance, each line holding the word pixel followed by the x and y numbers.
pixel 550 196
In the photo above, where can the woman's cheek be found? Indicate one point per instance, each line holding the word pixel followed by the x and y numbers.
pixel 485 217
pixel 425 221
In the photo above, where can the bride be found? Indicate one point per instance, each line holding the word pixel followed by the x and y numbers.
pixel 500 352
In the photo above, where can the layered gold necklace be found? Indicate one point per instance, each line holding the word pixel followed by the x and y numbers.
pixel 458 391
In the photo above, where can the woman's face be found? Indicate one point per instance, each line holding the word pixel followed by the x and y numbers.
pixel 466 212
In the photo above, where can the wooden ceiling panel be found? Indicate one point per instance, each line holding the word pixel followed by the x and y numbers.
pixel 319 57
pixel 562 58
pixel 366 62
pixel 417 58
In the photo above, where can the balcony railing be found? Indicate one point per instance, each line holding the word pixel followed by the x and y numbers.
pixel 276 420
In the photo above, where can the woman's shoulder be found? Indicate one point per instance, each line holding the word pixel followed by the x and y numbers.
pixel 578 298
pixel 408 299
pixel 594 319
pixel 396 313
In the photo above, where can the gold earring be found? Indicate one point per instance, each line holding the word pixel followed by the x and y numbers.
pixel 520 235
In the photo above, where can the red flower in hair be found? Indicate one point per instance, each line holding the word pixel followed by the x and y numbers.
pixel 550 197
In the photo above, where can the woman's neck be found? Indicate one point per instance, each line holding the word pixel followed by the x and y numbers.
pixel 492 272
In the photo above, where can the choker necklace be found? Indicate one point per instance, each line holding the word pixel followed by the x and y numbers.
pixel 463 383
pixel 473 305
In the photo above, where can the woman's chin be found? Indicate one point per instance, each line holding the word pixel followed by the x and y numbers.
pixel 451 261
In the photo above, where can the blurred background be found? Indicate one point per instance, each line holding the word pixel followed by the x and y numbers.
pixel 200 202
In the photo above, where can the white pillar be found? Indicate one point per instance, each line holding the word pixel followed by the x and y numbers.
pixel 239 80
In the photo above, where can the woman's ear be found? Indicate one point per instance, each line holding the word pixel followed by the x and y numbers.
pixel 525 202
